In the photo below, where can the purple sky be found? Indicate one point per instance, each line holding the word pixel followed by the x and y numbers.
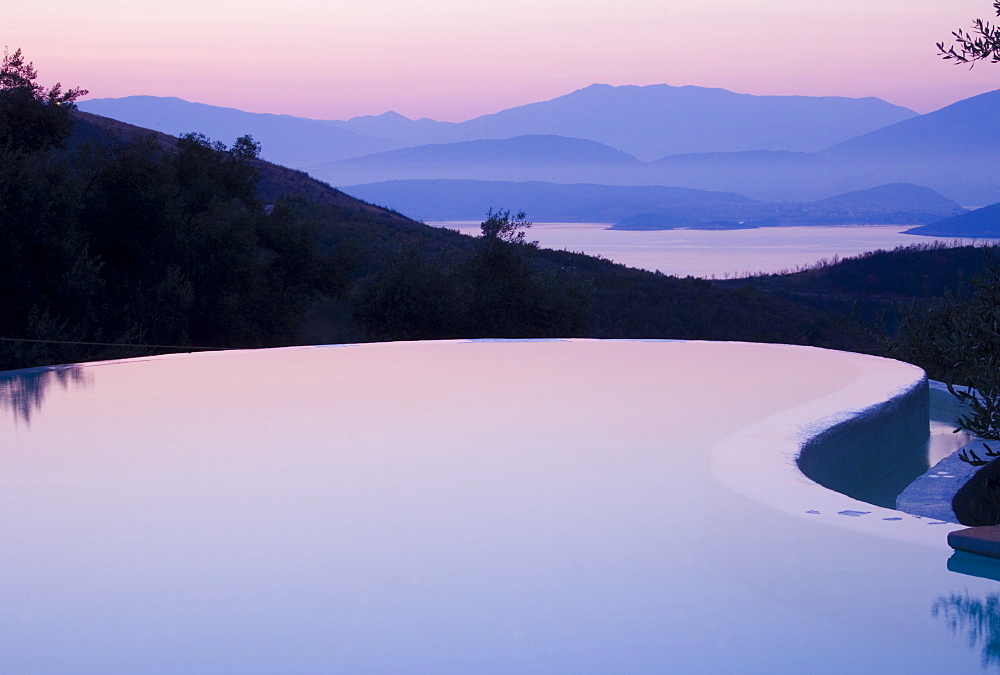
pixel 455 59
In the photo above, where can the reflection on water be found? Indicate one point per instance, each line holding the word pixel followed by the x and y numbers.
pixel 978 618
pixel 23 392
pixel 974 565
pixel 364 510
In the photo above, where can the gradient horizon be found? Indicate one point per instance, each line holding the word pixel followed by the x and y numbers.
pixel 452 60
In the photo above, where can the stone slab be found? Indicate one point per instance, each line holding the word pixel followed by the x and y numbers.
pixel 931 494
pixel 983 540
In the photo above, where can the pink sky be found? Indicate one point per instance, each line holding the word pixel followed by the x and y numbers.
pixel 455 59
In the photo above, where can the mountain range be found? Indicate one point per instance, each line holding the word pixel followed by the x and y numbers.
pixel 653 206
pixel 647 122
pixel 945 150
pixel 769 148
pixel 658 120
pixel 984 222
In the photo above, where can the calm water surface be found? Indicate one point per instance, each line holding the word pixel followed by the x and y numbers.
pixel 418 507
pixel 720 254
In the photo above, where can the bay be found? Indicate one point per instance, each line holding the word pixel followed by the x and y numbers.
pixel 718 254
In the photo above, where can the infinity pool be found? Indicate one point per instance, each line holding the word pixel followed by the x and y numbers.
pixel 479 506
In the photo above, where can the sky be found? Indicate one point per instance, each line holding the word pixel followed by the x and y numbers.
pixel 452 60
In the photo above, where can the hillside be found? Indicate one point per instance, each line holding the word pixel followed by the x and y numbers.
pixel 945 149
pixel 552 158
pixel 888 198
pixel 984 222
pixel 769 148
pixel 878 285
pixel 648 122
pixel 546 202
pixel 274 181
pixel 961 129
pixel 657 120
pixel 660 207
pixel 287 140
pixel 363 273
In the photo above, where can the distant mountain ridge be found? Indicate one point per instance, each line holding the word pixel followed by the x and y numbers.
pixel 984 222
pixel 651 206
pixel 289 141
pixel 648 122
pixel 716 144
pixel 533 157
pixel 469 200
pixel 657 120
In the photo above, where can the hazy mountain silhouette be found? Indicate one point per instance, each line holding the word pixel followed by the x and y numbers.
pixel 763 174
pixel 984 222
pixel 771 148
pixel 947 149
pixel 650 207
pixel 286 140
pixel 401 129
pixel 892 197
pixel 956 130
pixel 657 120
pixel 551 158
pixel 552 202
pixel 648 122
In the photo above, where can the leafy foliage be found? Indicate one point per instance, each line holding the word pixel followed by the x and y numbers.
pixel 970 456
pixel 32 118
pixel 957 340
pixel 500 226
pixel 495 290
pixel 981 43
pixel 140 242
pixel 150 240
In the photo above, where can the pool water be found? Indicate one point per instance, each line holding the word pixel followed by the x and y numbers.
pixel 467 506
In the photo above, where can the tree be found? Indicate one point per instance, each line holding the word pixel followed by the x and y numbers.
pixel 510 294
pixel 32 118
pixel 109 247
pixel 957 340
pixel 501 289
pixel 499 226
pixel 981 43
pixel 960 338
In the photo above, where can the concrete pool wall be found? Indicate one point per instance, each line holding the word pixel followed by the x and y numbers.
pixel 820 460
pixel 869 444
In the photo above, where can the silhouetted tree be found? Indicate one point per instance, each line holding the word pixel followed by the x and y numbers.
pixel 500 226
pixel 139 241
pixel 500 289
pixel 965 335
pixel 981 43
pixel 32 118
pixel 957 340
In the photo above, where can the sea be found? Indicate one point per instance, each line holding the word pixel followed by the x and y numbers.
pixel 719 254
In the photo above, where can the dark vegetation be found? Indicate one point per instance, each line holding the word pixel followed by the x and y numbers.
pixel 932 305
pixel 120 242
pixel 133 242
pixel 880 288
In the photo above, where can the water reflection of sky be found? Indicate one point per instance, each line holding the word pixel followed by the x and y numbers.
pixel 452 507
pixel 705 253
